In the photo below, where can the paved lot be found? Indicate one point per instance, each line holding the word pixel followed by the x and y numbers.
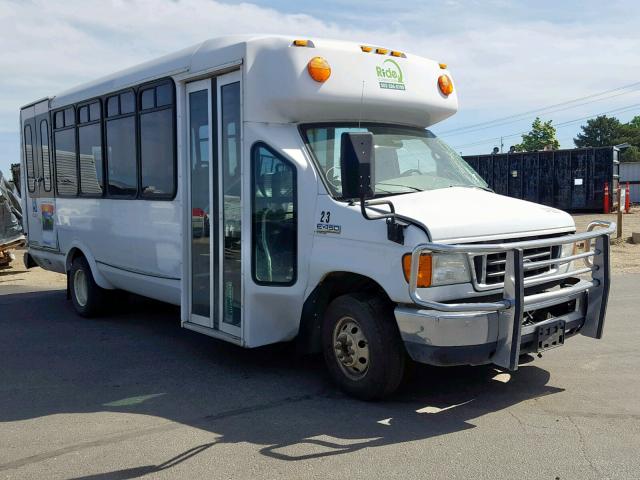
pixel 133 395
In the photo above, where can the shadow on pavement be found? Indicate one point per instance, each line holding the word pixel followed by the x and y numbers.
pixel 139 361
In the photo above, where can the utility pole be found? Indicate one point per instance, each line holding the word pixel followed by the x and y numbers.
pixel 501 144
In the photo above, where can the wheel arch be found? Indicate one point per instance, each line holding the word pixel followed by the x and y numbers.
pixel 79 250
pixel 332 285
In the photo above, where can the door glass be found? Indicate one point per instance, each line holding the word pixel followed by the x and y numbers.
pixel 28 158
pixel 45 156
pixel 200 207
pixel 230 150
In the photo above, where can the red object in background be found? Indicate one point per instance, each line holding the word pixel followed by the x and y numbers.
pixel 627 199
pixel 606 197
pixel 197 212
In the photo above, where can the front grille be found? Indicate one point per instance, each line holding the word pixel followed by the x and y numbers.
pixel 489 269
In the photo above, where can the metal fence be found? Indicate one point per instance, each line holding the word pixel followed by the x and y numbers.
pixel 572 179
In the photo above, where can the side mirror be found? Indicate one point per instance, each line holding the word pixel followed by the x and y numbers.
pixel 357 164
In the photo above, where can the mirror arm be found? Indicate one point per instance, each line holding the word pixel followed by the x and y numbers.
pixel 395 230
pixel 395 223
pixel 369 203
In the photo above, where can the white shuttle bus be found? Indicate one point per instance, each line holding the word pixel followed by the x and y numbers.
pixel 279 188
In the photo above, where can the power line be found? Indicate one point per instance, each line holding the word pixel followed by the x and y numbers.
pixel 546 113
pixel 559 125
pixel 544 109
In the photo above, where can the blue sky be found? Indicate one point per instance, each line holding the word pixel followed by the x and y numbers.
pixel 506 57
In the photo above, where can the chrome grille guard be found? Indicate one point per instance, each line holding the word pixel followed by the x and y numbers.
pixel 513 304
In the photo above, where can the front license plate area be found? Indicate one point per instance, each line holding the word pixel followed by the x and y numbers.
pixel 550 335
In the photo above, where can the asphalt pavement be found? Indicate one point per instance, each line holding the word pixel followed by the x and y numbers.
pixel 133 394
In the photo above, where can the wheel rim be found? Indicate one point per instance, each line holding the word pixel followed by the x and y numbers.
pixel 80 287
pixel 351 348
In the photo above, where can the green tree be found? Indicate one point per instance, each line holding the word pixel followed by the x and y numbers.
pixel 635 122
pixel 631 154
pixel 601 131
pixel 542 135
pixel 630 133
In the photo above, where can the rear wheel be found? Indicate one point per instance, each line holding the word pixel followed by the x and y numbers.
pixel 362 346
pixel 87 297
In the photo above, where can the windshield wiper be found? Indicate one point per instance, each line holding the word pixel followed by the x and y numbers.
pixel 415 189
pixel 486 189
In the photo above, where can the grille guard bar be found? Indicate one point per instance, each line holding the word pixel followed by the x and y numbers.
pixel 512 306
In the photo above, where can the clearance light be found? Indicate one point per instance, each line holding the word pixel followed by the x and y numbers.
pixel 319 69
pixel 366 48
pixel 443 66
pixel 424 269
pixel 445 85
pixel 302 43
pixel 395 53
pixel 382 51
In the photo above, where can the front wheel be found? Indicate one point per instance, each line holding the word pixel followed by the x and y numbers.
pixel 362 346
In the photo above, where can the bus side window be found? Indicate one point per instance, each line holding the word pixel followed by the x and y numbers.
pixel 157 142
pixel 90 150
pixel 65 152
pixel 45 155
pixel 120 146
pixel 274 218
pixel 28 158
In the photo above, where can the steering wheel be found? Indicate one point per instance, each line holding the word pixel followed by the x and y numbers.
pixel 410 172
pixel 334 181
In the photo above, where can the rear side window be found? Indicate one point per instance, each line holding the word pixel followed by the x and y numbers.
pixel 28 158
pixel 274 218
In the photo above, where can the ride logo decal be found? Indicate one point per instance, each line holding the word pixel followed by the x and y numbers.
pixel 390 75
pixel 325 225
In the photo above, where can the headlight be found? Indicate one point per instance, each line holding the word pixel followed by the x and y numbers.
pixel 439 269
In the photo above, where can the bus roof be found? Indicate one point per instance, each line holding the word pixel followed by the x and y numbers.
pixel 363 85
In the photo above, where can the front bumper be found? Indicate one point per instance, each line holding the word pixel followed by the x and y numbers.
pixel 496 332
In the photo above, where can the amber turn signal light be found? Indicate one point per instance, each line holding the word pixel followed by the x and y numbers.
pixel 424 269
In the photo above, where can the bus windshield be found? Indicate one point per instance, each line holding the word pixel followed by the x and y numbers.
pixel 407 159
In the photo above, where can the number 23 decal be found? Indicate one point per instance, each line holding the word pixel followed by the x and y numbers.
pixel 325 216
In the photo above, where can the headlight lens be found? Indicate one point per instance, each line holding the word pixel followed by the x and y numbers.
pixel 450 268
pixel 575 248
pixel 439 269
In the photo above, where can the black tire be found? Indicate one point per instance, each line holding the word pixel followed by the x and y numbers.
pixel 383 371
pixel 91 302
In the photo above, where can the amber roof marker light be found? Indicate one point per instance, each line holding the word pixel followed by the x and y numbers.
pixel 303 43
pixel 319 69
pixel 445 85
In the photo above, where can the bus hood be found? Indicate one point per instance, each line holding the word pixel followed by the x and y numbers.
pixel 471 214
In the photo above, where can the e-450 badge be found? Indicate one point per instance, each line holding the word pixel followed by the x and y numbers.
pixel 324 226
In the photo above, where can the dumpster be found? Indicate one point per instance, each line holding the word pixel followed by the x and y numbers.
pixel 571 179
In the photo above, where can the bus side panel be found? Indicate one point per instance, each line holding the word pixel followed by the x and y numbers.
pixel 135 236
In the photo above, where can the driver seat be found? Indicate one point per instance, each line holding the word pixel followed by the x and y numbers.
pixel 386 163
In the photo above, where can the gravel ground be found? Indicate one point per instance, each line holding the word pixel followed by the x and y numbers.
pixel 17 275
pixel 625 256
